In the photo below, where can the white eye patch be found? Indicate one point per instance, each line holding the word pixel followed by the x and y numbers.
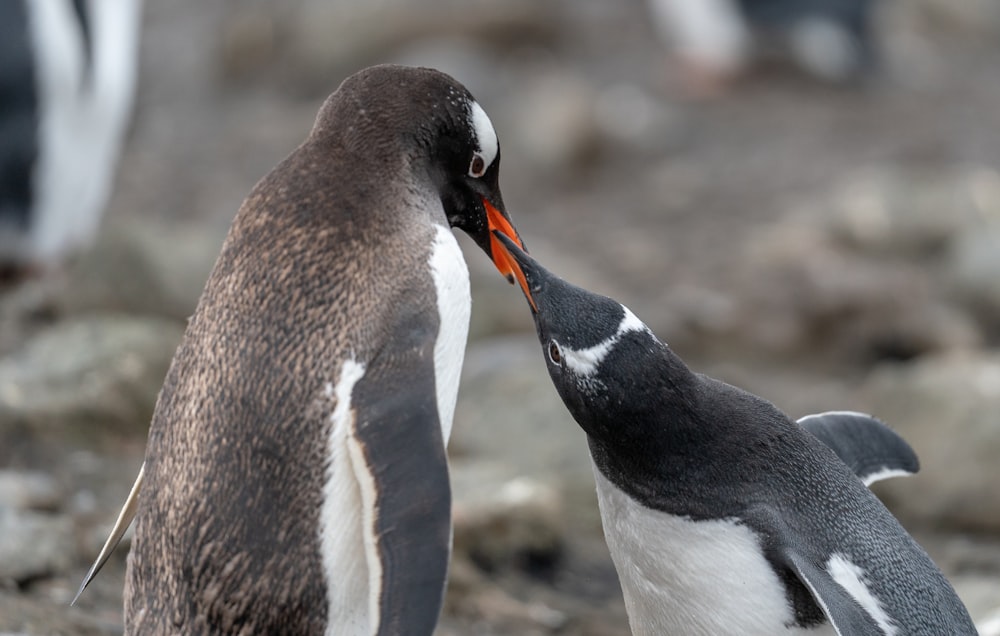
pixel 585 361
pixel 485 136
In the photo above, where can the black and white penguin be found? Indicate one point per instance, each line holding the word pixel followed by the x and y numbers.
pixel 67 81
pixel 295 479
pixel 722 515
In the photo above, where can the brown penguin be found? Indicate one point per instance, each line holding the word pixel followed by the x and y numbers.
pixel 295 479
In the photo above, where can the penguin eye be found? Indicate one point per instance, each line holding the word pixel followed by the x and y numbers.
pixel 554 354
pixel 478 166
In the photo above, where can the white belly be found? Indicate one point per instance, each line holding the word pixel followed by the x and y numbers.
pixel 454 304
pixel 696 578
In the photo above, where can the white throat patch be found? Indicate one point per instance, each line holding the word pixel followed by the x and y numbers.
pixel 486 136
pixel 585 361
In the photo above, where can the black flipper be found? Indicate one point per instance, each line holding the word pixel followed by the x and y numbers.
pixel 872 450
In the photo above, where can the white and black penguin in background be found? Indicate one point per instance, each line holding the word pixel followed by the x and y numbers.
pixel 834 40
pixel 67 82
pixel 295 479
pixel 722 515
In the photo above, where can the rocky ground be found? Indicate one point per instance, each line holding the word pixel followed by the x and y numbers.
pixel 825 247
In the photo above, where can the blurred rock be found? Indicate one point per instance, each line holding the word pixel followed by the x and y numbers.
pixel 849 281
pixel 34 544
pixel 508 409
pixel 248 41
pixel 630 116
pixel 968 17
pixel 86 376
pixel 29 491
pixel 885 212
pixel 330 40
pixel 509 412
pixel 558 131
pixel 473 597
pixel 981 595
pixel 143 268
pixel 974 269
pixel 22 615
pixel 504 520
pixel 946 407
pixel 989 625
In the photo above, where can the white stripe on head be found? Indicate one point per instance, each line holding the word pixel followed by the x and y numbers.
pixel 486 136
pixel 585 361
pixel 852 578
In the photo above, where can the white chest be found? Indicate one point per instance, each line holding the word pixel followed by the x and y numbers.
pixel 698 578
pixel 454 305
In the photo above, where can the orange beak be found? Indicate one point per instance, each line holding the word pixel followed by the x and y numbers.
pixel 501 257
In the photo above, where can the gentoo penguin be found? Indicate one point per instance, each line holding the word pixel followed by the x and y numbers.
pixel 722 515
pixel 834 40
pixel 67 80
pixel 295 479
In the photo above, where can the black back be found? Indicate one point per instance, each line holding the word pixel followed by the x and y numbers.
pixel 19 116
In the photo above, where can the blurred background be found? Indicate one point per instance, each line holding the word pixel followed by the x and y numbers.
pixel 802 202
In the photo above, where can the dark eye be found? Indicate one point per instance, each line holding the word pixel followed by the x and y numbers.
pixel 478 166
pixel 554 354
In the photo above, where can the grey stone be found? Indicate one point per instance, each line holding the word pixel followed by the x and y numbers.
pixel 34 544
pixel 946 406
pixel 144 268
pixel 559 131
pixel 974 269
pixel 84 376
pixel 472 597
pixel 805 292
pixel 503 519
pixel 893 212
pixel 509 412
pixel 29 491
pixel 22 615
pixel 332 39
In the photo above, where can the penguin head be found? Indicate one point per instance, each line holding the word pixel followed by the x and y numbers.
pixel 596 350
pixel 441 134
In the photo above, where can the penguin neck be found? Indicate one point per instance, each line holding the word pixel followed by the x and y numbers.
pixel 644 402
pixel 658 434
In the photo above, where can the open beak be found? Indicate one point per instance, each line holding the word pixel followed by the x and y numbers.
pixel 511 251
pixel 502 258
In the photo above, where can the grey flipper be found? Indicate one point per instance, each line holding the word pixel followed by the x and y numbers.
pixel 788 548
pixel 121 525
pixel 872 450
pixel 847 617
pixel 403 451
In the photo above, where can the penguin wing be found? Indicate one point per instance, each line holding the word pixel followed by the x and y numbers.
pixel 839 592
pixel 843 609
pixel 402 458
pixel 872 450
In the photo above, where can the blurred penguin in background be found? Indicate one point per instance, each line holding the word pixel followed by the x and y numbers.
pixel 833 40
pixel 67 81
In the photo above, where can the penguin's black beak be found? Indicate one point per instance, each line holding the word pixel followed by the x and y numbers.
pixel 498 224
pixel 525 269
